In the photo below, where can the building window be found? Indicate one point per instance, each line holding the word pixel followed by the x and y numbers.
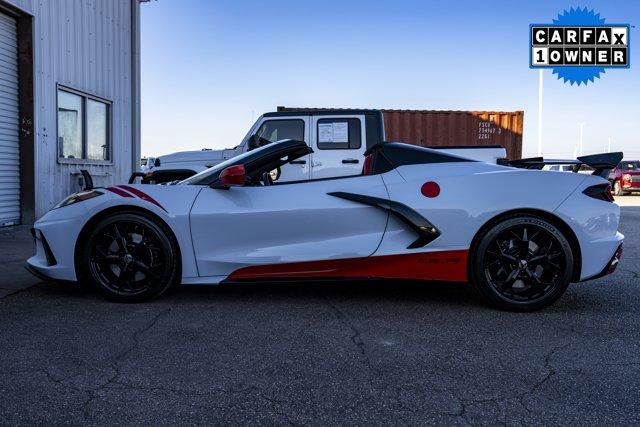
pixel 83 126
pixel 338 134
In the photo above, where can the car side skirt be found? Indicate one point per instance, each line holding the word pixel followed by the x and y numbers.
pixel 432 266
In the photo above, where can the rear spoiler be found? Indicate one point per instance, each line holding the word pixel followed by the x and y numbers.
pixel 601 163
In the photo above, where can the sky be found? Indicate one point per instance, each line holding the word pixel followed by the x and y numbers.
pixel 210 68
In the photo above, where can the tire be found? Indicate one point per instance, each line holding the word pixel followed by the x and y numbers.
pixel 617 189
pixel 129 257
pixel 522 263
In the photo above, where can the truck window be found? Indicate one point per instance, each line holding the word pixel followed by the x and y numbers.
pixel 276 130
pixel 338 134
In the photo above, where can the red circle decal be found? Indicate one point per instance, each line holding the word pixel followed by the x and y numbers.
pixel 430 189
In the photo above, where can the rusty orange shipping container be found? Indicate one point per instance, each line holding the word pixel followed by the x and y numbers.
pixel 449 128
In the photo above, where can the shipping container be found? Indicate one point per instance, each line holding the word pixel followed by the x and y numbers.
pixel 450 128
pixel 437 128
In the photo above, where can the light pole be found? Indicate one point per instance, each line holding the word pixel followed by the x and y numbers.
pixel 609 145
pixel 540 84
pixel 581 124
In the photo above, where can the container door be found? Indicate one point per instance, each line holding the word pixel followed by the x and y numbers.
pixel 338 143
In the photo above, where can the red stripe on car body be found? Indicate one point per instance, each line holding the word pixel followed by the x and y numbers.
pixel 142 195
pixel 441 265
pixel 119 192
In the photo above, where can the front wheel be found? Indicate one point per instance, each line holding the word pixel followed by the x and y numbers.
pixel 523 263
pixel 129 257
pixel 617 189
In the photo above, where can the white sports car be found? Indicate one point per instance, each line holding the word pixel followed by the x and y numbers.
pixel 520 236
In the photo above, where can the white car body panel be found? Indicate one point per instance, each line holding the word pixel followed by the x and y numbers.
pixel 285 223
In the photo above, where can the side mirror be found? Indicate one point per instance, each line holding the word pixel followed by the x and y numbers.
pixel 233 176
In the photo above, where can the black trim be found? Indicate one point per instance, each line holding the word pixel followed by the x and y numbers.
pixel 163 175
pixel 426 231
pixel 458 147
pixel 320 112
pixel 610 267
pixel 88 180
pixel 46 278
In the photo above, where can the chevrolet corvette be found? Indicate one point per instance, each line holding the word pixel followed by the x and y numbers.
pixel 519 235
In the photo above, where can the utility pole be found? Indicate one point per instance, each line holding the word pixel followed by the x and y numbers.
pixel 609 145
pixel 540 85
pixel 581 124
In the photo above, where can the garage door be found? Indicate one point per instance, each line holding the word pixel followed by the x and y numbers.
pixel 9 147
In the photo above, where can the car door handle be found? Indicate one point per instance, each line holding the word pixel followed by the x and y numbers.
pixel 350 161
pixel 298 162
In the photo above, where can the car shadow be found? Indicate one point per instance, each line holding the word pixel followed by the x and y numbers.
pixel 362 291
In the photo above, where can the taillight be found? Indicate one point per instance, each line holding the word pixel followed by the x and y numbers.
pixel 600 192
pixel 626 177
pixel 368 165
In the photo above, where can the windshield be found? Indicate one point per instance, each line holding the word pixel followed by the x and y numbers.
pixel 215 170
pixel 626 165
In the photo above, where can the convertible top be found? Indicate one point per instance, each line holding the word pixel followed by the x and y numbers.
pixel 390 155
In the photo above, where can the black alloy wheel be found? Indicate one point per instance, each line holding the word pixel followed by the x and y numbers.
pixel 523 263
pixel 129 258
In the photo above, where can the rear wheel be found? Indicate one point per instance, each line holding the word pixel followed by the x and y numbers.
pixel 129 258
pixel 523 263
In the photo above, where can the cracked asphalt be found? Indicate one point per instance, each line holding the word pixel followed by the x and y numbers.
pixel 321 353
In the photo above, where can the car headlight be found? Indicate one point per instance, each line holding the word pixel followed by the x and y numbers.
pixel 78 197
pixel 626 177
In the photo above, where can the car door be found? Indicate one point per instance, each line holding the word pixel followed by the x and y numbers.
pixel 288 127
pixel 338 143
pixel 285 223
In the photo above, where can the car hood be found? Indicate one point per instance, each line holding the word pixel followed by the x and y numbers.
pixel 198 156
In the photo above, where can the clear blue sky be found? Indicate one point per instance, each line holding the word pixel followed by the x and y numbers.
pixel 209 67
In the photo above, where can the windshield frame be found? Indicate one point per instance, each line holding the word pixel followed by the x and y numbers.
pixel 277 153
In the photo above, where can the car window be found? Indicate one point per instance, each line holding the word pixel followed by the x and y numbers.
pixel 276 130
pixel 338 134
pixel 629 166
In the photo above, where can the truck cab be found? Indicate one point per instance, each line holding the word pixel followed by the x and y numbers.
pixel 339 139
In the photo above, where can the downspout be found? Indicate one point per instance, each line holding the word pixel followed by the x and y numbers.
pixel 135 86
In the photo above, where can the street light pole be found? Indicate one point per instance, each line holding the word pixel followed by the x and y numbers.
pixel 609 145
pixel 540 84
pixel 581 124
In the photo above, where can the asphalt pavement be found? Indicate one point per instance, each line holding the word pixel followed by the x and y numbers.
pixel 322 353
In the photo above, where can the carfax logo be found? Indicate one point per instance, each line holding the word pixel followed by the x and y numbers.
pixel 579 46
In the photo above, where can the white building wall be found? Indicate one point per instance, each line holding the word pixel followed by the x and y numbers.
pixel 85 45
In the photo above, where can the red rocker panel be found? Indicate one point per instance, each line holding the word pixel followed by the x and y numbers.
pixel 442 265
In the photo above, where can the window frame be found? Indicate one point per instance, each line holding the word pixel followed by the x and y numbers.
pixel 283 120
pixel 347 120
pixel 85 140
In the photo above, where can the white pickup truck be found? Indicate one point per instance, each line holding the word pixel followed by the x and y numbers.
pixel 338 138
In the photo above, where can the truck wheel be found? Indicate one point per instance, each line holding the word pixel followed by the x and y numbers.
pixel 523 263
pixel 617 189
pixel 129 257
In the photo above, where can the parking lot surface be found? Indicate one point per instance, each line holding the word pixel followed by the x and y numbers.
pixel 319 353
